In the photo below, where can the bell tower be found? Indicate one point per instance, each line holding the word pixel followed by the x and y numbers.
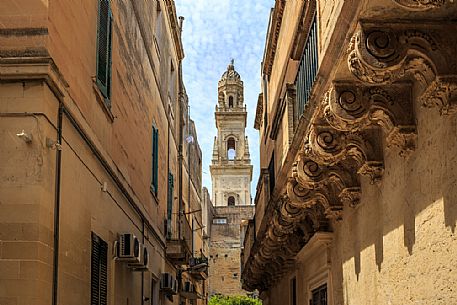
pixel 231 169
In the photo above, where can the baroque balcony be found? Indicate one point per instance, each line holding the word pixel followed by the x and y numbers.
pixel 179 239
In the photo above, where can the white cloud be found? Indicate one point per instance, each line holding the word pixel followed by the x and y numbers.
pixel 214 32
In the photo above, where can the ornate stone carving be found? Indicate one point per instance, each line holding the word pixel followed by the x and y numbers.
pixel 355 107
pixel 387 53
pixel 442 93
pixel 331 146
pixel 420 5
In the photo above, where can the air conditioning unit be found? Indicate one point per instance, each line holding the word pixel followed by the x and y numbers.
pixel 168 283
pixel 128 248
pixel 143 262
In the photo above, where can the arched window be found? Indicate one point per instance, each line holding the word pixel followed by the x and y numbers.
pixel 230 101
pixel 231 201
pixel 231 150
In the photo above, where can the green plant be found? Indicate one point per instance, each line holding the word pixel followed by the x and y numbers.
pixel 233 300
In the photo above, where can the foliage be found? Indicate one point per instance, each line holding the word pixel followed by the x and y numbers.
pixel 233 300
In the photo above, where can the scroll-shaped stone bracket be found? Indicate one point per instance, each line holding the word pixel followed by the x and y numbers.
pixel 313 175
pixel 384 53
pixel 355 107
pixel 332 146
pixel 421 5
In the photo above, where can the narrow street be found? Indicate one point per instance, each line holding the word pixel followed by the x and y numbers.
pixel 198 152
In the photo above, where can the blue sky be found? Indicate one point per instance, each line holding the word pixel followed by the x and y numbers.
pixel 213 33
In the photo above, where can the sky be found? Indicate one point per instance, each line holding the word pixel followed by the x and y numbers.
pixel 214 32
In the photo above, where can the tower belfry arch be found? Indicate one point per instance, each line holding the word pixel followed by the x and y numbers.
pixel 231 169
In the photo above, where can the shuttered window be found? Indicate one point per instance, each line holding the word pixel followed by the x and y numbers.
pixel 98 271
pixel 170 203
pixel 155 160
pixel 105 20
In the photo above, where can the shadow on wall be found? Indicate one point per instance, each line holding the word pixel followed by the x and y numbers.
pixel 417 193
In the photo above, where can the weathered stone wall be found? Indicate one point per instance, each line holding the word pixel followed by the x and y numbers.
pixel 225 249
pixel 48 56
pixel 396 246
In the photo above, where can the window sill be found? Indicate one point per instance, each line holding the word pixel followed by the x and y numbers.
pixel 102 101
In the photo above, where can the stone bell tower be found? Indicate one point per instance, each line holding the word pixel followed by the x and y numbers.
pixel 231 174
pixel 231 169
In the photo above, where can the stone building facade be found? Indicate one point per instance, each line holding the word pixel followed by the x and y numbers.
pixel 91 147
pixel 231 173
pixel 356 199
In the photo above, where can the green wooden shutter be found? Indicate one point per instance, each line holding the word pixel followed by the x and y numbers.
pixel 170 203
pixel 98 271
pixel 104 38
pixel 155 159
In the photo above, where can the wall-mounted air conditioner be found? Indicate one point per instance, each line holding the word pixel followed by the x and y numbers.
pixel 143 261
pixel 168 283
pixel 128 248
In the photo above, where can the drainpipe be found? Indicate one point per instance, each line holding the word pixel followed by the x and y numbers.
pixel 55 273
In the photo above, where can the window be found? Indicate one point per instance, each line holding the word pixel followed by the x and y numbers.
pixel 271 172
pixel 231 151
pixel 293 291
pixel 231 201
pixel 169 203
pixel 319 296
pixel 219 221
pixel 105 20
pixel 98 271
pixel 155 160
pixel 307 72
pixel 230 101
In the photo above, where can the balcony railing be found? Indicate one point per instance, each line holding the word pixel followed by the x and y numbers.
pixel 308 70
pixel 230 109
pixel 179 238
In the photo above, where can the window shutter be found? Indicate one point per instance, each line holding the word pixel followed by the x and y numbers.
pixel 170 204
pixel 94 271
pixel 170 195
pixel 104 47
pixel 99 271
pixel 155 159
pixel 103 273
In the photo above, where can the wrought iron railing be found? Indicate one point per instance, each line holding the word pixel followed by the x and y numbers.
pixel 179 228
pixel 307 72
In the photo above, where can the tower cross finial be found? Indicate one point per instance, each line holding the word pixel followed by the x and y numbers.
pixel 232 61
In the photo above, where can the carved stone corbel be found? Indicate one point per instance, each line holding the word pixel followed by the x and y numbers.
pixel 382 53
pixel 331 146
pixel 420 5
pixel 356 107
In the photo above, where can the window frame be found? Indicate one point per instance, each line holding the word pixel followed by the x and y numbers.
pixel 105 89
pixel 154 161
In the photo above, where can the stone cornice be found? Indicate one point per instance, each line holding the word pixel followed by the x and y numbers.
pixel 272 36
pixel 258 112
pixel 176 31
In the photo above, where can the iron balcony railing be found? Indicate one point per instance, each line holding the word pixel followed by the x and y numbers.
pixel 307 70
pixel 179 223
